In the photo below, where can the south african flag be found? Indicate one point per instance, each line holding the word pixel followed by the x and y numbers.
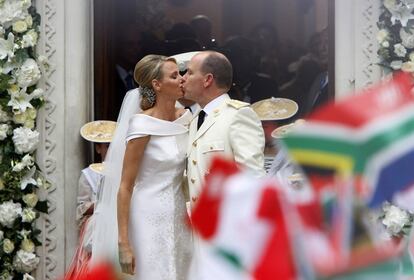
pixel 369 136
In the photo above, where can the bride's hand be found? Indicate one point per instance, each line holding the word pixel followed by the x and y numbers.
pixel 126 259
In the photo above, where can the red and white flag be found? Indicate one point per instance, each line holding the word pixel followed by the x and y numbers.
pixel 241 219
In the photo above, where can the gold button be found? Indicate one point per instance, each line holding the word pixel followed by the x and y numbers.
pixel 195 144
pixel 194 162
pixel 192 181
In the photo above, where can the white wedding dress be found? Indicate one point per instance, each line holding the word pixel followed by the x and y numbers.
pixel 160 238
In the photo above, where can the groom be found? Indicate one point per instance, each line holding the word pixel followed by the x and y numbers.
pixel 224 127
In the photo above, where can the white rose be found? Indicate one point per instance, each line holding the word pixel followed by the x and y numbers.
pixel 8 246
pixel 407 38
pixel 28 245
pixel 31 113
pixel 30 39
pixel 408 66
pixel 390 4
pixel 28 215
pixel 9 211
pixel 20 117
pixel 25 140
pixel 400 50
pixel 385 44
pixel 396 64
pixel 4 129
pixel 30 199
pixel 395 219
pixel 20 26
pixel 28 74
pixel 382 35
pixel 29 21
pixel 25 262
pixel 29 124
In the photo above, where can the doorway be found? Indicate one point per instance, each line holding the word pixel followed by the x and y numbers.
pixel 283 45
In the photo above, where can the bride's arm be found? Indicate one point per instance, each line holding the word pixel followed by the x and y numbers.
pixel 132 160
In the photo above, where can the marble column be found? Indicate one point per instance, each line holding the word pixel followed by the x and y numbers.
pixel 66 41
pixel 355 45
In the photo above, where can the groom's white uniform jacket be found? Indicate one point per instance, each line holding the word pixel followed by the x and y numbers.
pixel 230 129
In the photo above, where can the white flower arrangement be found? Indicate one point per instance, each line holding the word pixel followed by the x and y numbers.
pixel 20 99
pixel 397 221
pixel 396 35
pixel 13 10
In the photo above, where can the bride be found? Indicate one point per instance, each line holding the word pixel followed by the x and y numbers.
pixel 146 201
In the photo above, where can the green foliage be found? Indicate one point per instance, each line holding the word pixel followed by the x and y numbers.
pixel 42 206
pixel 4 82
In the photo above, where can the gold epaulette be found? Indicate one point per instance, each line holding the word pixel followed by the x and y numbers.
pixel 237 104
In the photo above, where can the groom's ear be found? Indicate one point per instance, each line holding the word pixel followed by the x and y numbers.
pixel 208 80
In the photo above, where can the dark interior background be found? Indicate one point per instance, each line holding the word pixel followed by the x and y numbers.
pixel 277 47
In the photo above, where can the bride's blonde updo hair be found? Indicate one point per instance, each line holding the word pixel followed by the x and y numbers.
pixel 146 70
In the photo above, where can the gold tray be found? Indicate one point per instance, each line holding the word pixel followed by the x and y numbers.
pixel 273 109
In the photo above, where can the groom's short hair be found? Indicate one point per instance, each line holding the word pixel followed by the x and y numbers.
pixel 217 64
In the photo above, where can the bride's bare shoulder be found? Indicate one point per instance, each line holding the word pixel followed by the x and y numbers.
pixel 148 112
pixel 179 112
